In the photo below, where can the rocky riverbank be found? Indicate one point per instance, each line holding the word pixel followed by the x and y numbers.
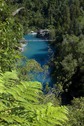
pixel 43 33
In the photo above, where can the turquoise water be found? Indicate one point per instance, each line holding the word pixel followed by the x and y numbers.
pixel 41 51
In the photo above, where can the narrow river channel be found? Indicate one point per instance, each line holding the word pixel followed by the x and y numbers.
pixel 39 50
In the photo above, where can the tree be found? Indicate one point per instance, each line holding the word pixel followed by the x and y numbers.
pixel 76 117
pixel 9 37
pixel 70 64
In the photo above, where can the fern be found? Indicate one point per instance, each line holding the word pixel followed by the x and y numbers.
pixel 19 104
pixel 50 116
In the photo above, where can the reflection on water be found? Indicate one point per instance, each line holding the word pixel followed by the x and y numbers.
pixel 39 50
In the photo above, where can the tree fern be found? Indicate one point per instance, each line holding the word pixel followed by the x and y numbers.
pixel 49 115
pixel 20 106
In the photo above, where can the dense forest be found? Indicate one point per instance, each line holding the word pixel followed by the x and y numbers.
pixel 22 101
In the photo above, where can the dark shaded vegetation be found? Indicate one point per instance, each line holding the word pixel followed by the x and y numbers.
pixel 65 20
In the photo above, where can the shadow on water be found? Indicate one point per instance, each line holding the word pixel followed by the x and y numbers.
pixel 40 58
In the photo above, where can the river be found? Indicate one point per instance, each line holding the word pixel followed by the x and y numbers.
pixel 41 51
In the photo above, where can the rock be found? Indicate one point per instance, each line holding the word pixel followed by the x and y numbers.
pixel 43 33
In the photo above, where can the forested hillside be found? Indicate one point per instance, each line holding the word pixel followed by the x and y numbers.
pixel 65 16
pixel 22 102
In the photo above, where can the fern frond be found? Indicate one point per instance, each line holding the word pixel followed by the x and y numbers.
pixel 52 115
pixel 19 104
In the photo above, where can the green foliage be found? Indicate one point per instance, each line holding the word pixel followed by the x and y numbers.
pixel 51 97
pixel 70 63
pixel 20 106
pixel 51 115
pixel 28 69
pixel 76 116
pixel 10 33
pixel 21 103
pixel 62 16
